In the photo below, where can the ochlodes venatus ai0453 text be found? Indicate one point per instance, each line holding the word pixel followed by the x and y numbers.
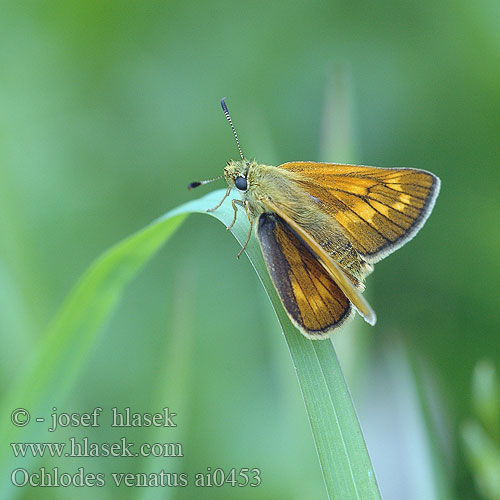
pixel 322 226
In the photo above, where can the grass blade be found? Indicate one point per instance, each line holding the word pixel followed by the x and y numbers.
pixel 339 442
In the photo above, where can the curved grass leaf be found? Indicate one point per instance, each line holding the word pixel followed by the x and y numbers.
pixel 339 442
pixel 344 460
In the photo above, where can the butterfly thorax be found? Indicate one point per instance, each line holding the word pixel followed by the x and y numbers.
pixel 284 189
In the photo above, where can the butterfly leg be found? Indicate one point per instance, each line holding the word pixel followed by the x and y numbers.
pixel 235 209
pixel 246 205
pixel 228 190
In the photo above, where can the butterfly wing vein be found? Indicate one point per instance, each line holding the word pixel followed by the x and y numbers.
pixel 311 297
pixel 379 209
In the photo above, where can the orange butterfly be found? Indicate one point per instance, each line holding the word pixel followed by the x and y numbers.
pixel 322 226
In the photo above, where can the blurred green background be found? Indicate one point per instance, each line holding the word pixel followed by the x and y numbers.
pixel 109 109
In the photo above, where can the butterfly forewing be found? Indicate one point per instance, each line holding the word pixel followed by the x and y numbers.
pixel 379 209
pixel 310 296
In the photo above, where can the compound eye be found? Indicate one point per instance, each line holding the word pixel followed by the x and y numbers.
pixel 241 183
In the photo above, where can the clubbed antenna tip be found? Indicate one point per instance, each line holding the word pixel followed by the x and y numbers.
pixel 228 116
pixel 195 184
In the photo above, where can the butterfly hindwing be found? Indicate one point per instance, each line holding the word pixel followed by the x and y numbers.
pixel 380 209
pixel 310 295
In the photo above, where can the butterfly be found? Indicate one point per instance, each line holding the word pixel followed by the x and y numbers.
pixel 322 227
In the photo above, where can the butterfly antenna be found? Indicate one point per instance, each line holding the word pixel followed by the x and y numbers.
pixel 228 116
pixel 200 183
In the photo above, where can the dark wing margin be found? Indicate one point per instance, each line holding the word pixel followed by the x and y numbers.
pixel 380 209
pixel 312 299
pixel 391 211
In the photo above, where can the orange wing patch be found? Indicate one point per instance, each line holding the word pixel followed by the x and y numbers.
pixel 311 297
pixel 380 209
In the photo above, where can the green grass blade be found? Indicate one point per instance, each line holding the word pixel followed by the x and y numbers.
pixel 66 343
pixel 481 432
pixel 339 442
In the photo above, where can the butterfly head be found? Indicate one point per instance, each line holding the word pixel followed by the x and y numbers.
pixel 237 173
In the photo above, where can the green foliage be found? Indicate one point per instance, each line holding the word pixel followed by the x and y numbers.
pixel 341 449
pixel 344 460
pixel 108 110
pixel 481 433
pixel 66 344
